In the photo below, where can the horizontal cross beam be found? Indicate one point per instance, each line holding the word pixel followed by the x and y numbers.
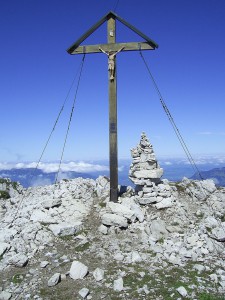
pixel 114 47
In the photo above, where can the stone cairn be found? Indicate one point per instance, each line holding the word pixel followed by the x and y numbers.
pixel 145 173
pixel 144 168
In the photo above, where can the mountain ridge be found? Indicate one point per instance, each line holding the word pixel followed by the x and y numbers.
pixel 217 174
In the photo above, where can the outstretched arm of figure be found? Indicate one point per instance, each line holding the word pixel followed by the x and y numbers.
pixel 114 54
pixel 103 51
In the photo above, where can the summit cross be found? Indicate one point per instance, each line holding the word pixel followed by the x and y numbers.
pixel 111 49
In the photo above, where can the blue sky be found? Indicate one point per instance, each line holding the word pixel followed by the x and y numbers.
pixel 36 73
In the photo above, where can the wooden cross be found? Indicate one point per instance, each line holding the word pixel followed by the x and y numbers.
pixel 111 49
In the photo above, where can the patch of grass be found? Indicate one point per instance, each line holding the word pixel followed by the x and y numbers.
pixel 82 248
pixel 9 183
pixel 206 296
pixel 66 237
pixel 43 292
pixel 209 230
pixel 180 187
pixel 4 195
pixel 201 215
pixel 161 240
pixel 102 204
pixel 175 224
pixel 223 218
pixel 17 278
pixel 81 232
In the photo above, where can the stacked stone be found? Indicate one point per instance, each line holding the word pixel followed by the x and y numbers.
pixel 146 174
pixel 144 169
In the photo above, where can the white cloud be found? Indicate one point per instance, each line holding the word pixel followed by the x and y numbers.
pixel 82 167
pixel 168 163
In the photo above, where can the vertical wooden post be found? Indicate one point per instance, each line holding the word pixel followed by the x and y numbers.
pixel 113 151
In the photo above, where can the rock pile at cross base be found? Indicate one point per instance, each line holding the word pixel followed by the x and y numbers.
pixel 68 241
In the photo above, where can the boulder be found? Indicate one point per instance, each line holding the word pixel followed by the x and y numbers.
pixel 84 292
pixel 182 291
pixel 158 229
pixel 54 280
pixel 120 210
pixel 18 260
pixel 98 274
pixel 78 270
pixel 4 295
pixel 118 284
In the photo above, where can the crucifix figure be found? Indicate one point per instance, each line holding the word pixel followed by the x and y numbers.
pixel 111 62
pixel 111 49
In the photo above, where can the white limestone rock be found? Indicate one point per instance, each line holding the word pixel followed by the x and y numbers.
pixel 7 234
pixel 210 222
pixel 114 220
pixel 214 277
pixel 84 292
pixel 64 229
pixel 42 217
pixel 138 212
pixel 165 203
pixel 120 210
pixel 51 203
pixel 148 173
pixel 158 229
pixel 78 270
pixel 199 268
pixel 4 247
pixel 54 280
pixel 103 229
pixel 118 256
pixel 182 291
pixel 135 257
pixel 18 260
pixel 4 295
pixel 44 264
pixel 147 200
pixel 208 185
pixel 98 274
pixel 118 284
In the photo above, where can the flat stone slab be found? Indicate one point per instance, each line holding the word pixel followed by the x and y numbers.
pixel 157 173
pixel 64 229
pixel 51 203
pixel 114 220
pixel 165 203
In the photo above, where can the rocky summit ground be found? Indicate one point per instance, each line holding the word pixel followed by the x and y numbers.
pixel 67 241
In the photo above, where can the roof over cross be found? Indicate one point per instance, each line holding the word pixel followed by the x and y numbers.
pixel 111 49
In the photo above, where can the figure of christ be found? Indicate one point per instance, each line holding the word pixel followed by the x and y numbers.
pixel 111 62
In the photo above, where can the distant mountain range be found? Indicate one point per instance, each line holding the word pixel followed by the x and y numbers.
pixel 35 177
pixel 217 174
